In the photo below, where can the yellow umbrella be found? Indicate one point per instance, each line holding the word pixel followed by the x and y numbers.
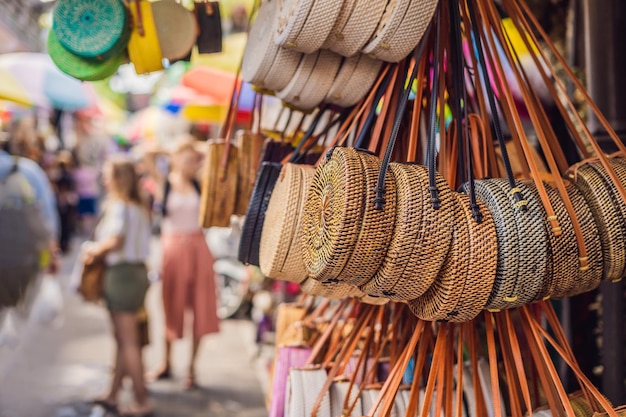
pixel 228 59
pixel 10 89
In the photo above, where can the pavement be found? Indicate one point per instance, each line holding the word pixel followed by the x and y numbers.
pixel 55 370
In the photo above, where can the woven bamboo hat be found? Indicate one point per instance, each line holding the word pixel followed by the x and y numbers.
pixel 281 243
pixel 80 68
pixel 91 29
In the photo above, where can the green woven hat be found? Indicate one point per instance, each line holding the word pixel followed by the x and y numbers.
pixel 77 67
pixel 91 29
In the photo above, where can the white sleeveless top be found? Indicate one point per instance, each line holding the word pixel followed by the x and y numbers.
pixel 182 213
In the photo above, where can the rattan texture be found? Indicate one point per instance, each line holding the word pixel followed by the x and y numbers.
pixel 91 29
pixel 260 50
pixel 291 17
pixel 350 87
pixel 317 27
pixel 283 68
pixel 442 297
pixel 80 68
pixel 334 201
pixel 249 244
pixel 483 261
pixel 387 26
pixel 360 27
pixel 430 248
pixel 281 243
pixel 219 189
pixel 347 9
pixel 515 284
pixel 601 200
pixel 591 278
pixel 320 81
pixel 376 226
pixel 250 145
pixel 176 27
pixel 331 290
pixel 293 89
pixel 397 45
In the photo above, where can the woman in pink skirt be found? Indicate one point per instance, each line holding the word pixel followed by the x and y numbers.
pixel 187 271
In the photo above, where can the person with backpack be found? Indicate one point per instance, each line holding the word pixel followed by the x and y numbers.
pixel 187 265
pixel 29 226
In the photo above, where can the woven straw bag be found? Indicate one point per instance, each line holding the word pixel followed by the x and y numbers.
pixel 441 299
pixel 308 89
pixel 401 29
pixel 80 68
pixel 564 275
pixel 249 244
pixel 303 388
pixel 250 146
pixel 144 48
pixel 421 238
pixel 601 196
pixel 353 81
pixel 219 184
pixel 339 392
pixel 331 290
pixel 522 244
pixel 91 29
pixel 304 25
pixel 176 28
pixel 265 64
pixel 281 243
pixel 344 238
pixel 362 21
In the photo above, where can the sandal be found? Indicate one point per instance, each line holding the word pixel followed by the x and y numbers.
pixel 108 406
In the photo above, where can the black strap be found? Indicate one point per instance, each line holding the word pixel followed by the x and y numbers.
pixel 379 201
pixel 362 140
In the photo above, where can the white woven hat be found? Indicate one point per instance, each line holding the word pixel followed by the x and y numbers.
pixel 176 28
pixel 359 28
pixel 400 36
pixel 354 80
pixel 265 64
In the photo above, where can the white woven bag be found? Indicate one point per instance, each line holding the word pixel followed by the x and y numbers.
pixel 359 27
pixel 265 64
pixel 354 80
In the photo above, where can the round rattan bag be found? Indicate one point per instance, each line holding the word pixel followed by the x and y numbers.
pixel 219 185
pixel 344 238
pixel 281 242
pixel 332 290
pixel 600 194
pixel 522 244
pixel 421 237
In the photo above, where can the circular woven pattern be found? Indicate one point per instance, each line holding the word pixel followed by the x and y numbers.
pixel 320 81
pixel 91 28
pixel 387 26
pixel 376 226
pixel 317 27
pixel 282 70
pixel 483 261
pixel 522 244
pixel 293 89
pixel 332 290
pixel 334 201
pixel 360 27
pixel 597 192
pixel 429 248
pixel 291 17
pixel 176 28
pixel 356 83
pixel 442 297
pixel 591 278
pixel 281 245
pixel 397 45
pixel 260 50
pixel 347 9
pixel 77 67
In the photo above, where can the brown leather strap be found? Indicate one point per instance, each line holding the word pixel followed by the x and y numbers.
pixel 511 379
pixel 516 352
pixel 414 136
pixel 438 357
pixel 380 121
pixel 319 344
pixel 493 364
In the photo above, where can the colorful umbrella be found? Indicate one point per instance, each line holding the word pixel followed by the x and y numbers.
pixel 33 79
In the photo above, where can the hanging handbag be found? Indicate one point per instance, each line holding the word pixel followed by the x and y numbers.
pixel 144 48
pixel 209 20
